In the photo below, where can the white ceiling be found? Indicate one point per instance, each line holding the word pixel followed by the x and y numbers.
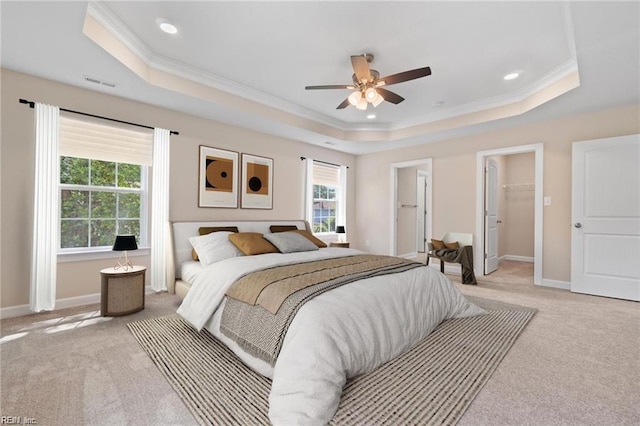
pixel 247 63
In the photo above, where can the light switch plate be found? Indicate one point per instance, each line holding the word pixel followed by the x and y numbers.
pixel 547 201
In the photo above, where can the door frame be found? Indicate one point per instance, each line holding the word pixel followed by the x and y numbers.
pixel 538 150
pixel 422 192
pixel 393 226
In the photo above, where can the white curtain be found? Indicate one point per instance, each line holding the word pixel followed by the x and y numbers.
pixel 308 193
pixel 160 228
pixel 45 210
pixel 341 218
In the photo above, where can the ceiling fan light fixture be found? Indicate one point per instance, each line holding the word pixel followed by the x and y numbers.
pixel 354 98
pixel 371 94
pixel 367 84
pixel 377 100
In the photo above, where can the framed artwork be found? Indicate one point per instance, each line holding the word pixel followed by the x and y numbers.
pixel 256 184
pixel 218 178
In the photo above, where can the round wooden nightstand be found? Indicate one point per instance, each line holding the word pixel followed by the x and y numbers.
pixel 122 291
pixel 339 244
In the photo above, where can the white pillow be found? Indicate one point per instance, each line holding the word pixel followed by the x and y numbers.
pixel 214 247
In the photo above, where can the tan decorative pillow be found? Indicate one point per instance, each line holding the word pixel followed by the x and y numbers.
pixel 204 230
pixel 282 228
pixel 437 244
pixel 310 237
pixel 250 243
pixel 453 245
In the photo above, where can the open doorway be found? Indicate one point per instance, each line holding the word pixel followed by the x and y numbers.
pixel 509 217
pixel 488 241
pixel 411 221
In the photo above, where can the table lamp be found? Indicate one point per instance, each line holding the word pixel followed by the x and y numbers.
pixel 124 243
pixel 340 230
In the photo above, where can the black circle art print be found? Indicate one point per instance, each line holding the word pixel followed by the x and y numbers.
pixel 257 178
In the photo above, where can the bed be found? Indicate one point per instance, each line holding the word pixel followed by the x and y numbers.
pixel 346 329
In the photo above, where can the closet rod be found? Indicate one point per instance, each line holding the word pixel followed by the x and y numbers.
pixel 32 105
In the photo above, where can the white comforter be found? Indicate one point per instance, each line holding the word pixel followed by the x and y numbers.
pixel 344 332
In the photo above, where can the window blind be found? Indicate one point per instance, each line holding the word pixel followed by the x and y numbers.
pixel 326 174
pixel 87 139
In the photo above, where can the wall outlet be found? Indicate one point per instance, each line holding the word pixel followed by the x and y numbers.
pixel 366 243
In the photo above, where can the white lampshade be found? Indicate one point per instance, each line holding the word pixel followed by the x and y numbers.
pixel 354 98
pixel 362 104
pixel 370 94
pixel 377 100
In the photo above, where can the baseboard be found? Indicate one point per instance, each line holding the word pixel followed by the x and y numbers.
pixel 15 311
pixel 69 302
pixel 409 255
pixel 517 258
pixel 564 285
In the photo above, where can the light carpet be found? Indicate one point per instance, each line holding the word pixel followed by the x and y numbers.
pixel 433 383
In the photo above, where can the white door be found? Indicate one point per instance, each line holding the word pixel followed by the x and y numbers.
pixel 491 216
pixel 605 238
pixel 421 213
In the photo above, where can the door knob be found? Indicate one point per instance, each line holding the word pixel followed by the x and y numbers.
pixel 578 225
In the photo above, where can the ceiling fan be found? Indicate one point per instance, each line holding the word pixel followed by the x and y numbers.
pixel 367 84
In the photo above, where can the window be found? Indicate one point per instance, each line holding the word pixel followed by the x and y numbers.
pixel 98 200
pixel 327 203
pixel 325 208
pixel 103 184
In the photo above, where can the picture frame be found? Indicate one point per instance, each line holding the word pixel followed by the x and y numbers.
pixel 256 184
pixel 217 178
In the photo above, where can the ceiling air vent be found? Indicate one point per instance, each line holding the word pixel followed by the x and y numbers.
pixel 95 80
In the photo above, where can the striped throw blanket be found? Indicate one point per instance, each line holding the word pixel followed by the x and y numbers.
pixel 261 305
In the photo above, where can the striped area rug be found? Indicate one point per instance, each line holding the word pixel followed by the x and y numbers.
pixel 432 384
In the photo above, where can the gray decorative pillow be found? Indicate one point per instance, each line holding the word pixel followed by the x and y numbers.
pixel 290 242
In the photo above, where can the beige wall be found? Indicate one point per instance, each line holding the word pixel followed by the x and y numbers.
pixel 454 180
pixel 83 278
pixel 453 176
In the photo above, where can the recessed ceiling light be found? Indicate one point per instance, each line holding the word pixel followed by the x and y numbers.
pixel 166 26
pixel 512 76
pixel 371 116
pixel 438 103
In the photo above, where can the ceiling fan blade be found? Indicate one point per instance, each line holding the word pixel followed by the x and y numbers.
pixel 389 96
pixel 344 104
pixel 406 76
pixel 361 67
pixel 330 86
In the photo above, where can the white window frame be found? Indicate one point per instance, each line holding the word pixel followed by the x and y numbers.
pixel 336 200
pixel 87 253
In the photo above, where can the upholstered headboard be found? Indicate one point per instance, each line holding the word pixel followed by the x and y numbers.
pixel 182 231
